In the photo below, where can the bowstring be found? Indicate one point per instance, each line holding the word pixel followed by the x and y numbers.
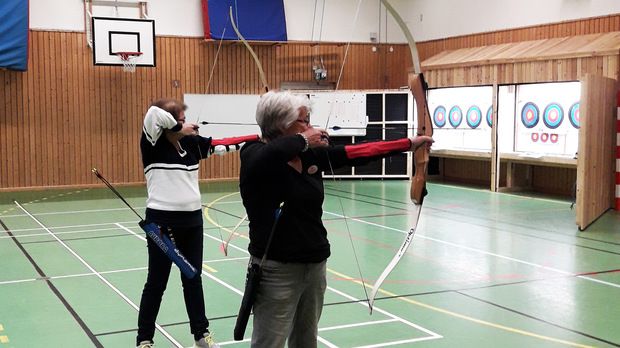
pixel 359 269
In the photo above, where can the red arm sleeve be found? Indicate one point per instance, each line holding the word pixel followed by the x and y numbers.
pixel 234 140
pixel 378 148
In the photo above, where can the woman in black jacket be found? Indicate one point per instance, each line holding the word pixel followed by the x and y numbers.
pixel 285 167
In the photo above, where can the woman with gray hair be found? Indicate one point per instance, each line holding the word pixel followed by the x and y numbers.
pixel 282 173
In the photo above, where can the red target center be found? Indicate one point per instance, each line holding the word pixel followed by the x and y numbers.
pixel 553 115
pixel 529 115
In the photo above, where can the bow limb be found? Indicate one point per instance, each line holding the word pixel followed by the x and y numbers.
pixel 261 72
pixel 233 233
pixel 418 87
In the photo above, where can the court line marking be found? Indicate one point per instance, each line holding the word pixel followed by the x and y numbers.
pixel 59 212
pixel 381 290
pixel 480 251
pixel 514 330
pixel 239 292
pixel 372 224
pixel 464 247
pixel 551 200
pixel 56 228
pixel 364 323
pixel 468 318
pixel 122 270
pixel 105 281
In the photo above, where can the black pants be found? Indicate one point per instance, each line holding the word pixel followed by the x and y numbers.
pixel 189 242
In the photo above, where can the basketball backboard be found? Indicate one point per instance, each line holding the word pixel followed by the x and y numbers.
pixel 113 35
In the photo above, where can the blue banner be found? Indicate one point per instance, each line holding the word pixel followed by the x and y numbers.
pixel 262 20
pixel 14 34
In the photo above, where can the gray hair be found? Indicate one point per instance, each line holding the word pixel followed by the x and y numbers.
pixel 276 111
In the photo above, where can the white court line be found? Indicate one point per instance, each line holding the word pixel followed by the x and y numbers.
pixel 73 275
pixel 226 285
pixel 326 342
pixel 393 343
pixel 386 313
pixel 161 329
pixel 108 272
pixel 240 293
pixel 58 233
pixel 59 212
pixel 365 323
pixel 56 228
pixel 552 269
pixel 68 226
pixel 393 229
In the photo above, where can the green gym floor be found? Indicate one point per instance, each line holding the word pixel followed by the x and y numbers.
pixel 484 270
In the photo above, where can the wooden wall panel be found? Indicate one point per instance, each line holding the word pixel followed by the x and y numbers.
pixel 64 116
pixel 554 180
pixel 466 171
pixel 525 72
pixel 596 162
pixel 569 28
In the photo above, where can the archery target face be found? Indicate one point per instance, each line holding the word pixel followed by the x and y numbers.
pixel 529 115
pixel 439 116
pixel 473 117
pixel 453 127
pixel 573 115
pixel 456 116
pixel 542 108
pixel 490 116
pixel 553 115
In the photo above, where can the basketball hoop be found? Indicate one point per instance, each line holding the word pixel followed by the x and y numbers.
pixel 129 60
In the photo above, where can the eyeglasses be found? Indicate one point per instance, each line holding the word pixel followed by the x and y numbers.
pixel 306 121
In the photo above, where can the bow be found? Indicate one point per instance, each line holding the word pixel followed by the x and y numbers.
pixel 418 87
pixel 263 79
pixel 261 72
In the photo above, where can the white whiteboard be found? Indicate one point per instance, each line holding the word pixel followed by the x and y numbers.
pixel 223 108
pixel 340 109
pixel 235 114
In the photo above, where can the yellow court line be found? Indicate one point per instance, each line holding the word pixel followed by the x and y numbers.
pixel 465 317
pixel 209 268
pixel 206 210
pixel 433 308
pixel 208 217
pixel 45 198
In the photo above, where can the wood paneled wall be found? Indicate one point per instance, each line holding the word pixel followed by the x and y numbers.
pixel 64 116
pixel 525 72
pixel 595 25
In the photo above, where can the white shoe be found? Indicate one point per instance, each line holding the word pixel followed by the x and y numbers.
pixel 146 344
pixel 206 342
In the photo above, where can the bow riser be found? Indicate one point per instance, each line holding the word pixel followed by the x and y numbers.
pixel 421 155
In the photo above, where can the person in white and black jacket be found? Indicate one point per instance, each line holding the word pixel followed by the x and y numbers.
pixel 171 150
pixel 285 166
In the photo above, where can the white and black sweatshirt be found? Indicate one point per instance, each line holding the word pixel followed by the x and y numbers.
pixel 171 174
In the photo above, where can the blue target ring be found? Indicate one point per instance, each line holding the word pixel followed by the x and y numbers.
pixel 490 116
pixel 529 115
pixel 553 115
pixel 473 117
pixel 573 115
pixel 439 116
pixel 455 116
